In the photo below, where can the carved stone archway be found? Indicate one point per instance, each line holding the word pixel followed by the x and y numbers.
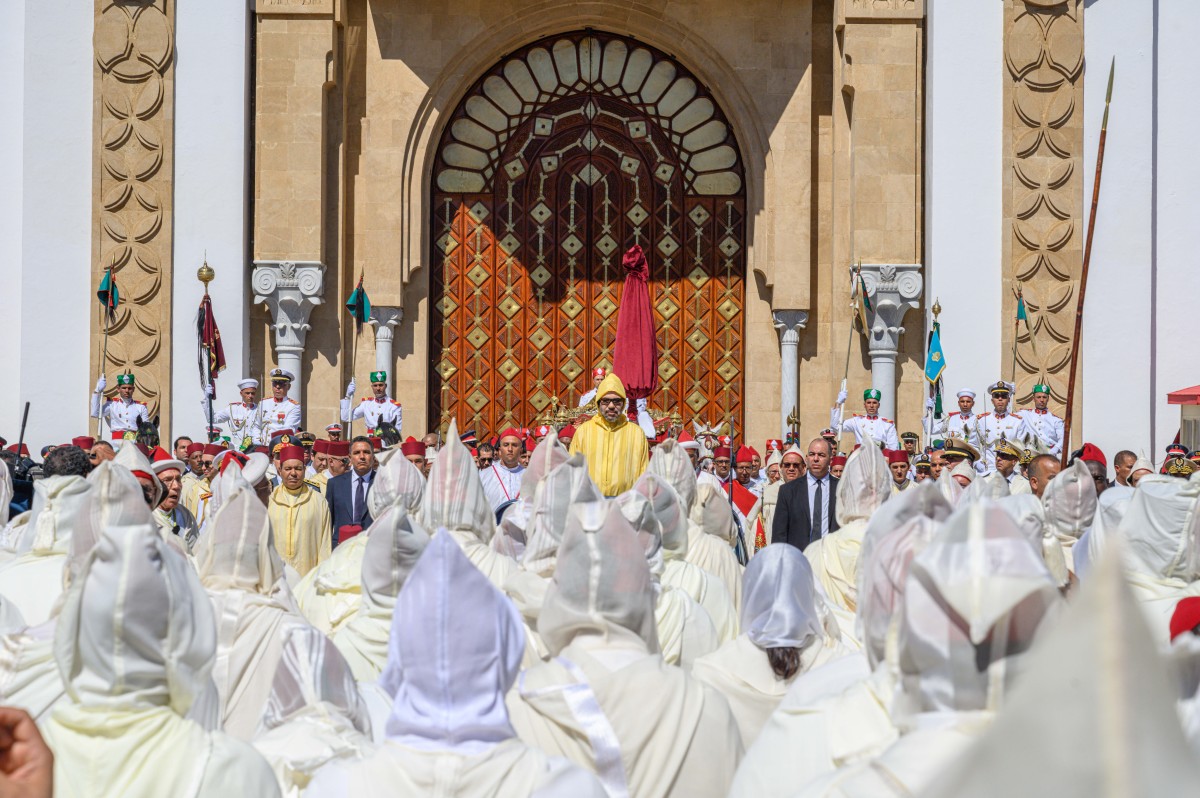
pixel 559 159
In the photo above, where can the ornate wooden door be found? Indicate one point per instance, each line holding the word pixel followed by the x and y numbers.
pixel 558 161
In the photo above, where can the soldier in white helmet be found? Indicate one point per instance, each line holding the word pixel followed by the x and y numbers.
pixel 122 412
pixel 244 419
pixel 1000 424
pixel 374 409
pixel 882 430
pixel 280 412
pixel 1045 425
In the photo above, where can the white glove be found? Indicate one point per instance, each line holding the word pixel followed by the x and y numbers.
pixel 929 403
pixel 101 384
pixel 842 397
pixel 209 390
pixel 350 389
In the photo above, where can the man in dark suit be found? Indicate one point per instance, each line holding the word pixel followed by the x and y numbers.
pixel 347 493
pixel 807 508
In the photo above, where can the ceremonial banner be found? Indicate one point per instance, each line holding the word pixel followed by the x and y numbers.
pixel 935 361
pixel 211 354
pixel 109 296
pixel 359 305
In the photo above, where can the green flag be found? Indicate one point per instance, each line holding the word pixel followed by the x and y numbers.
pixel 1023 316
pixel 108 295
pixel 359 305
pixel 860 300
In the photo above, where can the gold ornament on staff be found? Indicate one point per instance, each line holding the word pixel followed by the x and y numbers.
pixel 206 274
pixel 793 421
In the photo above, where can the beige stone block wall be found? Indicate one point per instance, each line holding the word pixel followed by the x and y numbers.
pixel 400 66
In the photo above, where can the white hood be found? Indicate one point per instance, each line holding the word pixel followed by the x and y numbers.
pixel 562 487
pixel 455 651
pixel 865 485
pixel 454 497
pixel 1069 502
pixel 672 463
pixel 1160 527
pixel 779 600
pixel 396 481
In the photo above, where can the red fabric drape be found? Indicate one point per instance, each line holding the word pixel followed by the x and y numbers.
pixel 635 356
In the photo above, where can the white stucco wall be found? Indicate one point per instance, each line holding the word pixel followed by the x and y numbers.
pixel 56 249
pixel 1116 353
pixel 964 96
pixel 12 65
pixel 211 130
pixel 1177 213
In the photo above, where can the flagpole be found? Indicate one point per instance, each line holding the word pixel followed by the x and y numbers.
pixel 855 271
pixel 206 274
pixel 1012 372
pixel 1083 273
pixel 108 314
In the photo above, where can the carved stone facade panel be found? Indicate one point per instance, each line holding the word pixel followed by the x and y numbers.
pixel 1043 196
pixel 133 140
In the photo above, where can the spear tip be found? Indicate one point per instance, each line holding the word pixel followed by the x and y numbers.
pixel 1112 69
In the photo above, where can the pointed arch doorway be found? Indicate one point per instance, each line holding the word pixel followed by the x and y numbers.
pixel 560 158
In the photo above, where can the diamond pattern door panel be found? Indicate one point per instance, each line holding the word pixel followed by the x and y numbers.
pixel 558 161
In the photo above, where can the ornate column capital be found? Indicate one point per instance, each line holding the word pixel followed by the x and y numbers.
pixel 894 289
pixel 290 289
pixel 789 323
pixel 384 319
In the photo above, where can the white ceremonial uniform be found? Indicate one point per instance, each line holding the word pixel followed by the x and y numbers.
pixel 882 430
pixel 374 411
pixel 279 415
pixel 587 398
pixel 958 425
pixel 1047 427
pixel 500 484
pixel 120 415
pixel 992 427
pixel 243 421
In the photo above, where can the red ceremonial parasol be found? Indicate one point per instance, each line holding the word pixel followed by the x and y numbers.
pixel 635 356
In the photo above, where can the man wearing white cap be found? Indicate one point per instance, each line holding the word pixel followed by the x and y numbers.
pixel 999 425
pixel 280 412
pixel 245 418
pixel 960 424
pixel 598 374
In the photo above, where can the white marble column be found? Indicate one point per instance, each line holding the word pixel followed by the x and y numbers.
pixel 789 323
pixel 290 289
pixel 385 319
pixel 894 289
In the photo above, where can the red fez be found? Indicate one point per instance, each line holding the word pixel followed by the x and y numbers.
pixel 722 451
pixel 838 460
pixel 725 440
pixel 745 454
pixel 83 443
pixel 894 456
pixel 685 437
pixel 774 445
pixel 291 452
pixel 279 432
pixel 412 446
pixel 543 430
pixel 320 446
pixel 566 433
pixel 1093 453
pixel 511 432
pixel 213 448
pixel 376 443
pixel 233 457
pixel 1186 616
pixel 195 447
pixel 22 452
pixel 262 450
pixel 339 448
pixel 474 452
pixel 600 372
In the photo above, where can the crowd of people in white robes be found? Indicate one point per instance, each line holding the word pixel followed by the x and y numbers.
pixel 944 641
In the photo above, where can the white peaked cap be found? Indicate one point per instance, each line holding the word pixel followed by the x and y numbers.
pixel 247 383
pixel 601 584
pixel 454 496
pixel 672 463
pixel 545 457
pixel 1094 713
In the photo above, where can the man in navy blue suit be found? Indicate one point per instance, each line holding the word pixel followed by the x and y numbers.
pixel 347 493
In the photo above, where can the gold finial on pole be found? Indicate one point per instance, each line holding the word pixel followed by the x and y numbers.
pixel 937 309
pixel 206 274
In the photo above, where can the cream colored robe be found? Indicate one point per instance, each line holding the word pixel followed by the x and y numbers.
pixel 302 525
pixel 676 736
pixel 329 594
pixel 739 670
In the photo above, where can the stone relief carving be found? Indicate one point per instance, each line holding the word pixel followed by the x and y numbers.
pixel 1043 206
pixel 133 46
